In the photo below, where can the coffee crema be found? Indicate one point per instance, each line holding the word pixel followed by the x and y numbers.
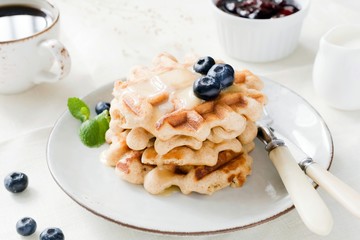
pixel 21 21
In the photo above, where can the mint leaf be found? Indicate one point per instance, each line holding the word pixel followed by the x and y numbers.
pixel 103 120
pixel 78 109
pixel 92 132
pixel 89 133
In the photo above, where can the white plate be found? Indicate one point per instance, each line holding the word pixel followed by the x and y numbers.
pixel 96 187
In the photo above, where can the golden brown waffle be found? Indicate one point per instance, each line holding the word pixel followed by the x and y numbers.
pixel 231 170
pixel 206 155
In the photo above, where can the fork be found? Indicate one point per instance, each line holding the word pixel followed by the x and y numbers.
pixel 347 196
pixel 308 203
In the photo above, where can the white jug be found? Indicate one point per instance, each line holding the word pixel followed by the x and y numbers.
pixel 336 73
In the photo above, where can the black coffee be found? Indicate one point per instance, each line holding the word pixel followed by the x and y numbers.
pixel 19 21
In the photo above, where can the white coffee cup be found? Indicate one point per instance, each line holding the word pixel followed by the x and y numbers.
pixel 336 73
pixel 30 52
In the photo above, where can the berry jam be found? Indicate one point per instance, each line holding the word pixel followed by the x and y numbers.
pixel 258 9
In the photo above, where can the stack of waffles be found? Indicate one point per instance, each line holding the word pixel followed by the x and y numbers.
pixel 162 135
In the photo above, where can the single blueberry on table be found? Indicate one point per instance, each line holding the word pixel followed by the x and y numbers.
pixel 206 88
pixel 26 226
pixel 16 182
pixel 52 234
pixel 203 65
pixel 102 106
pixel 223 73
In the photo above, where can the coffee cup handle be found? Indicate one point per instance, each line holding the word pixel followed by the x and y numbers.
pixel 61 59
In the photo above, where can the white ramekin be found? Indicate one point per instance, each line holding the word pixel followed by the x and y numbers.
pixel 259 40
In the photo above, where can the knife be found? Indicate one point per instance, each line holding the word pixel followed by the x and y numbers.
pixel 340 191
pixel 311 208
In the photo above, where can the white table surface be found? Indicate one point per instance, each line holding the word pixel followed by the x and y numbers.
pixel 105 38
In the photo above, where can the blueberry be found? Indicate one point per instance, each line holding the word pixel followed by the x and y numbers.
pixel 206 88
pixel 16 182
pixel 223 73
pixel 26 226
pixel 52 234
pixel 102 106
pixel 203 65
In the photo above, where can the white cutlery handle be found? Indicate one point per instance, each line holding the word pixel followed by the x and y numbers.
pixel 343 193
pixel 307 201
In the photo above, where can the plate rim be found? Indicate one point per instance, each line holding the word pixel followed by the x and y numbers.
pixel 185 233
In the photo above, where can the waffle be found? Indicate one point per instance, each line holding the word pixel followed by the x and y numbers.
pixel 165 116
pixel 206 155
pixel 162 135
pixel 217 135
pixel 231 169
